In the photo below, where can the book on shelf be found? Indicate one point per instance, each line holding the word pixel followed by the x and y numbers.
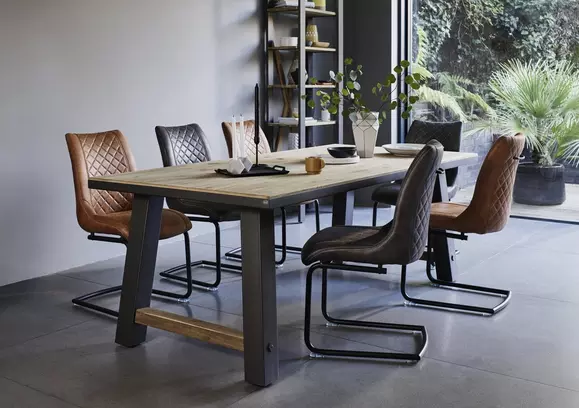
pixel 294 121
pixel 290 3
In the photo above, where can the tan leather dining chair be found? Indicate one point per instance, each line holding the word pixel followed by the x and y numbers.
pixel 263 148
pixel 488 212
pixel 106 215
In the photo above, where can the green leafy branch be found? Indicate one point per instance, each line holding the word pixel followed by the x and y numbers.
pixel 350 97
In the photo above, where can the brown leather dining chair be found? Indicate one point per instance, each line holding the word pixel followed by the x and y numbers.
pixel 488 212
pixel 358 248
pixel 263 148
pixel 106 215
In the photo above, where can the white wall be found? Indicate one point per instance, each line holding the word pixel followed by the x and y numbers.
pixel 93 65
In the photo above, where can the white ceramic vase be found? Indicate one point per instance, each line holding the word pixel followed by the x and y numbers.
pixel 365 134
pixel 326 116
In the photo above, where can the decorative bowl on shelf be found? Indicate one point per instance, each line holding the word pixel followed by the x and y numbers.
pixel 289 41
pixel 342 152
pixel 321 44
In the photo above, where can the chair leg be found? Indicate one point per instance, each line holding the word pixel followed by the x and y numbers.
pixel 506 294
pixel 375 214
pixel 217 265
pixel 317 209
pixel 354 353
pixel 82 301
pixel 281 261
pixel 283 248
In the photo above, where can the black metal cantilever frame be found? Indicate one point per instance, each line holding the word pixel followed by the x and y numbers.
pixel 82 301
pixel 217 265
pixel 412 357
pixel 283 248
pixel 506 294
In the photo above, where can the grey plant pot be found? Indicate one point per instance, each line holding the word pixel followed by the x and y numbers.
pixel 540 185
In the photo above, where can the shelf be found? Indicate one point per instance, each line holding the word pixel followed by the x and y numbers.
pixel 308 49
pixel 277 86
pixel 295 10
pixel 309 124
pixel 330 86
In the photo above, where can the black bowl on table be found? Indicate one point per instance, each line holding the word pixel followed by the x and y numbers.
pixel 342 152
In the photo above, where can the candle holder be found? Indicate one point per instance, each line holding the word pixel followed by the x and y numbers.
pixel 257 169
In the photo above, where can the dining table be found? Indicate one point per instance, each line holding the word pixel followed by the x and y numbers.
pixel 256 198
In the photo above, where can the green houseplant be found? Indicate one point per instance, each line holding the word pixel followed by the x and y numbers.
pixel 541 101
pixel 366 121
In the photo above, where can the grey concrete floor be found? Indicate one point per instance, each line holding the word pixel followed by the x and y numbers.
pixel 53 355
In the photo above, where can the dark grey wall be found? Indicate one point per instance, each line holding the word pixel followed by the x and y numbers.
pixel 94 65
pixel 368 40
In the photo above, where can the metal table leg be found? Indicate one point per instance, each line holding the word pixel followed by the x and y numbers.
pixel 343 209
pixel 259 297
pixel 443 247
pixel 139 268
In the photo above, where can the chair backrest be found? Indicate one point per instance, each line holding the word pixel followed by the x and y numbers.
pixel 183 144
pixel 99 154
pixel 249 125
pixel 490 207
pixel 449 134
pixel 408 231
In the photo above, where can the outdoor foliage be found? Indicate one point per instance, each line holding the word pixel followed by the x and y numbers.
pixel 540 100
pixel 446 96
pixel 469 39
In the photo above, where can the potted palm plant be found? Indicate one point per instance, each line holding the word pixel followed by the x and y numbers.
pixel 541 101
pixel 366 121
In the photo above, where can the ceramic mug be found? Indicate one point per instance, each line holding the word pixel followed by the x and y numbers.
pixel 314 165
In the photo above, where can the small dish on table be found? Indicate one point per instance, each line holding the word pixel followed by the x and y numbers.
pixel 342 152
pixel 403 149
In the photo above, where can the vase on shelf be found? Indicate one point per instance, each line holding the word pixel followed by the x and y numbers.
pixel 326 116
pixel 311 34
pixel 320 4
pixel 365 129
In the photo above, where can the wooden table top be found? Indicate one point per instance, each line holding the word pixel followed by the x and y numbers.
pixel 200 182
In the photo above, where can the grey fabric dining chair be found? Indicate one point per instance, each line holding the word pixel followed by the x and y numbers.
pixel 401 242
pixel 188 144
pixel 449 134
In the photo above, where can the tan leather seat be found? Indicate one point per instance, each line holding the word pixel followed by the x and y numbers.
pixel 109 212
pixel 490 207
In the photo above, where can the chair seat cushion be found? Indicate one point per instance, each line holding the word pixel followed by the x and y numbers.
pixel 215 212
pixel 173 223
pixel 342 244
pixel 444 216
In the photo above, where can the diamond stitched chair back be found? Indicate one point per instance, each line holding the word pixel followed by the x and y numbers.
pixel 263 146
pixel 93 155
pixel 181 145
